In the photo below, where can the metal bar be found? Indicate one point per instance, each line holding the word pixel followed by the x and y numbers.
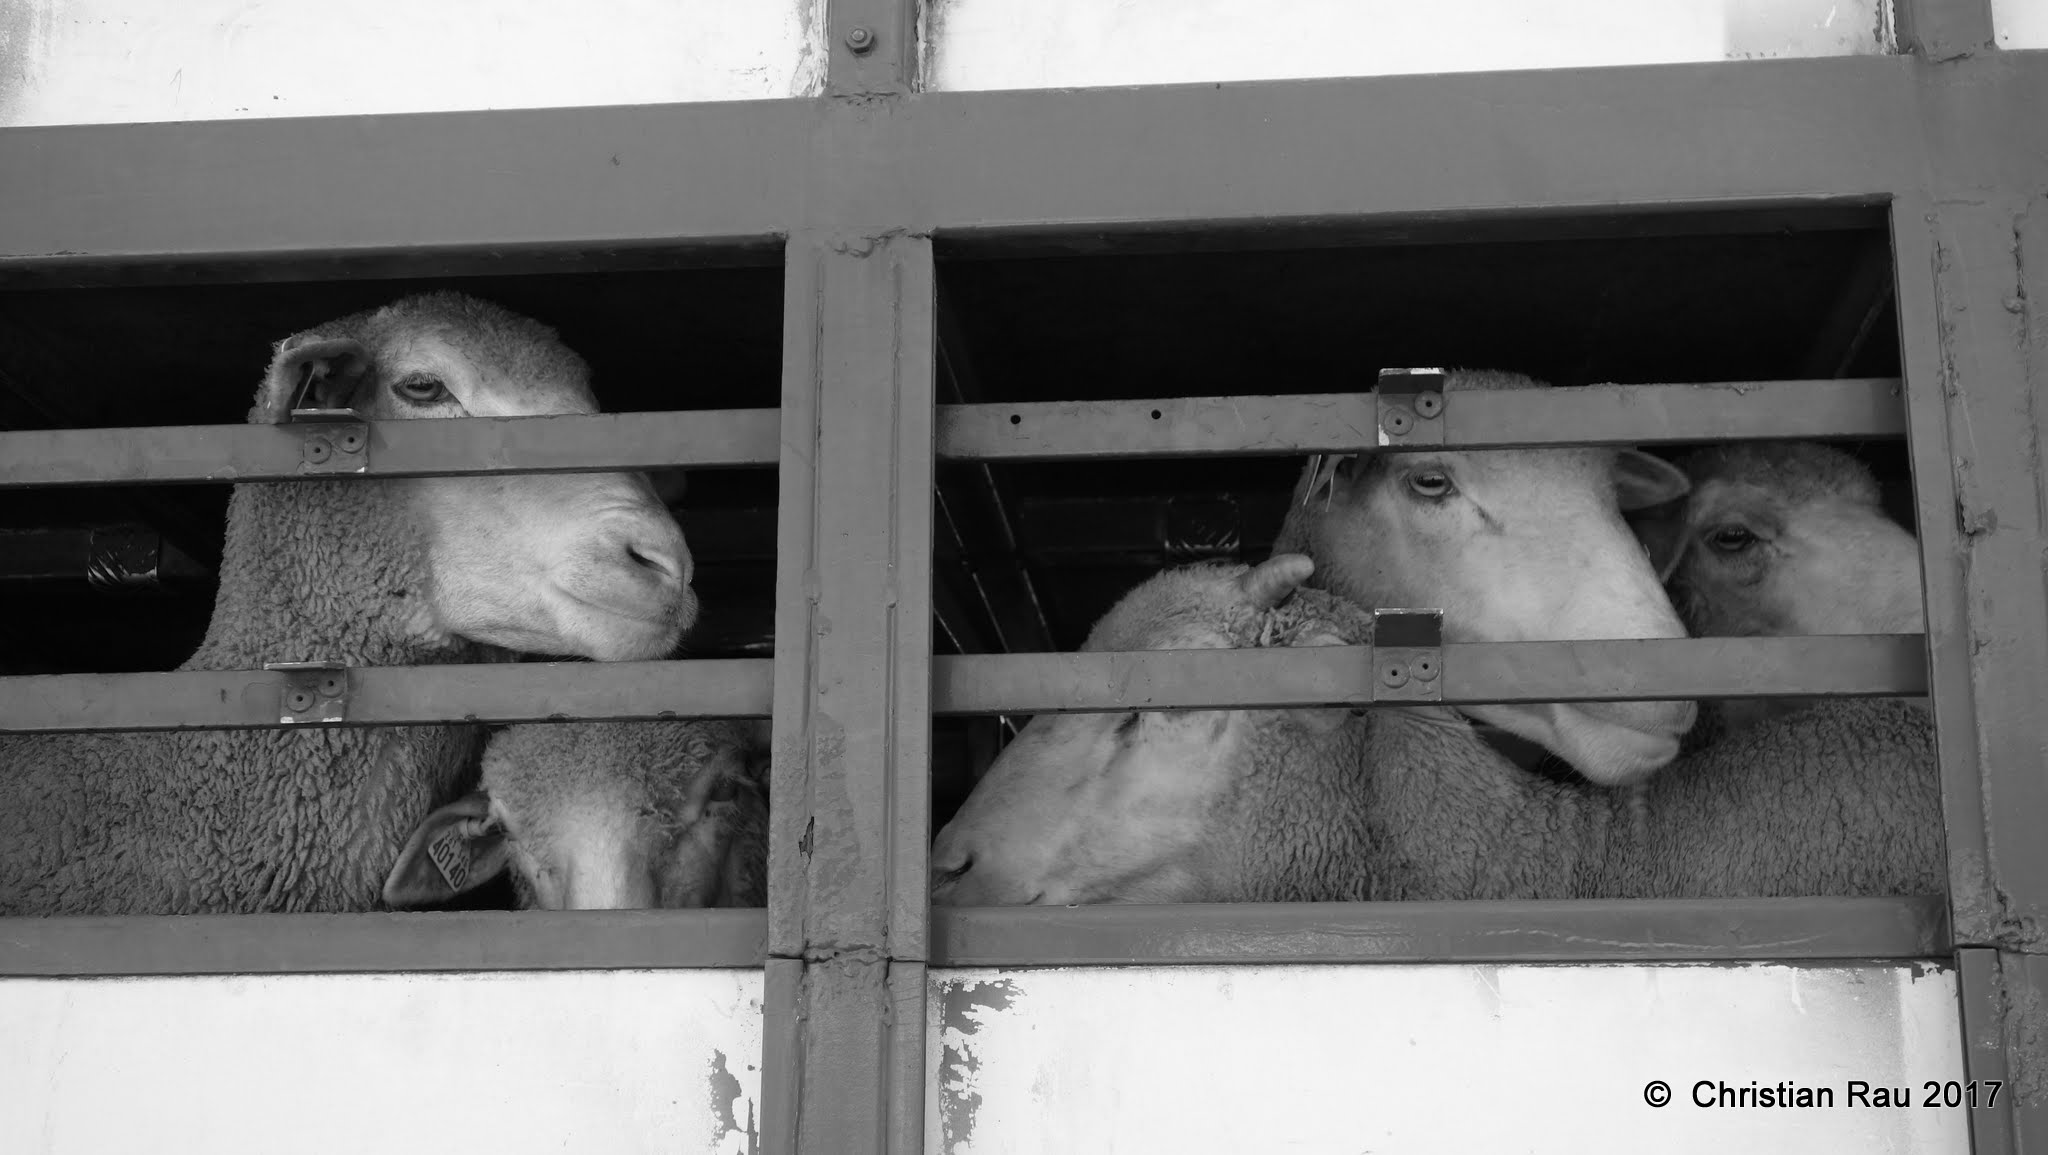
pixel 393 695
pixel 405 189
pixel 355 943
pixel 1980 987
pixel 1848 666
pixel 1443 932
pixel 1943 30
pixel 452 447
pixel 1348 422
pixel 847 866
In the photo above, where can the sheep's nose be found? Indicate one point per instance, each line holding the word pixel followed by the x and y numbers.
pixel 658 552
pixel 945 877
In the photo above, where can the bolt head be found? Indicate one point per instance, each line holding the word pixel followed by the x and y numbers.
pixel 1397 424
pixel 1429 404
pixel 1394 675
pixel 860 38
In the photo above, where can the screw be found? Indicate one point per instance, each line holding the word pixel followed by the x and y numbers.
pixel 860 38
pixel 1393 675
pixel 317 451
pixel 1429 404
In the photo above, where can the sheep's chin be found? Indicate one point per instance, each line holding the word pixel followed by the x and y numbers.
pixel 1608 743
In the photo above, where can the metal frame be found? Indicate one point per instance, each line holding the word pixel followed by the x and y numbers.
pixel 858 184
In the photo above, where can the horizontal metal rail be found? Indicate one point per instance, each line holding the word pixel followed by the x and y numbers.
pixel 1873 665
pixel 1666 930
pixel 1847 666
pixel 1350 422
pixel 583 442
pixel 1063 430
pixel 358 943
pixel 393 695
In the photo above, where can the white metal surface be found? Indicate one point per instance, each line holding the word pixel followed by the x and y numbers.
pixel 613 1061
pixel 119 61
pixel 1347 1059
pixel 987 44
pixel 2020 23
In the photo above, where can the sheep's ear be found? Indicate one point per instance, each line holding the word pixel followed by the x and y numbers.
pixel 455 850
pixel 1274 580
pixel 1642 480
pixel 1662 530
pixel 326 369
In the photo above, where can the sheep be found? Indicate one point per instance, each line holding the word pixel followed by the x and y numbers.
pixel 1783 538
pixel 1513 545
pixel 603 815
pixel 367 572
pixel 1411 802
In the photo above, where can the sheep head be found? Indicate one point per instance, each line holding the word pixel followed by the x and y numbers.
pixel 1787 538
pixel 584 564
pixel 1512 545
pixel 606 815
pixel 1132 807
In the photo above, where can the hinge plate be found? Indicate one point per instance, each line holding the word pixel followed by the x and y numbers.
pixel 1410 404
pixel 1407 655
pixel 312 692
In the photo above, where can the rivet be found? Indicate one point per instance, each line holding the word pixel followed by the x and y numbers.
pixel 1425 670
pixel 331 686
pixel 298 701
pixel 317 450
pixel 1429 404
pixel 860 38
pixel 1394 675
pixel 1397 423
pixel 351 442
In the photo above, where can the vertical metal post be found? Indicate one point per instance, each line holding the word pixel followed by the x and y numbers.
pixel 847 880
pixel 1965 310
pixel 1939 30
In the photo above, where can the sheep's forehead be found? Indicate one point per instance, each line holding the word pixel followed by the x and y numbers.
pixel 1787 473
pixel 497 364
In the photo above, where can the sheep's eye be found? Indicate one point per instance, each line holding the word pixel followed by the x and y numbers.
pixel 1731 538
pixel 1431 483
pixel 724 790
pixel 421 390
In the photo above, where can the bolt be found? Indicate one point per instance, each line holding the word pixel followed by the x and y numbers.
pixel 1425 670
pixel 298 701
pixel 860 39
pixel 330 686
pixel 1429 404
pixel 351 442
pixel 1397 424
pixel 317 451
pixel 1393 675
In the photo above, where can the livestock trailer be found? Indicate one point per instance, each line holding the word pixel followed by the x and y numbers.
pixel 962 317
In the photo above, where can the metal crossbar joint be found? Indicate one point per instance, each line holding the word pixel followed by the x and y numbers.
pixel 1407 655
pixel 1410 404
pixel 333 440
pixel 312 692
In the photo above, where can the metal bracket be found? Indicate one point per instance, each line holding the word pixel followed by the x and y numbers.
pixel 312 692
pixel 334 440
pixel 1410 403
pixel 1408 655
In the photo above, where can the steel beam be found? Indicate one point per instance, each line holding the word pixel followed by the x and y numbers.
pixel 1686 930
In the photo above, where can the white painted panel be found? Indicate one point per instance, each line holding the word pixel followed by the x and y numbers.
pixel 2020 23
pixel 1455 1059
pixel 599 1061
pixel 120 61
pixel 984 44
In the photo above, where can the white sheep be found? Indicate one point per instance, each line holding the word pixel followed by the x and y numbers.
pixel 372 572
pixel 1513 545
pixel 1783 538
pixel 1410 802
pixel 604 815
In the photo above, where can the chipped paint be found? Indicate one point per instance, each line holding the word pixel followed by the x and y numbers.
pixel 962 1009
pixel 1346 1058
pixel 620 1062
